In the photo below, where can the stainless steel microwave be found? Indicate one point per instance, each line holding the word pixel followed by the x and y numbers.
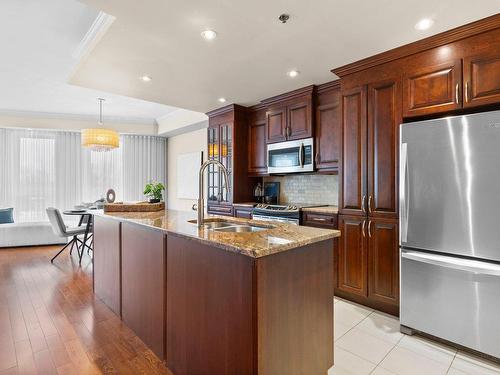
pixel 291 156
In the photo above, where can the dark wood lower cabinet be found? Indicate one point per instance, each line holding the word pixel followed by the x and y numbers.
pixel 368 262
pixel 143 284
pixel 242 211
pixel 107 262
pixel 352 260
pixel 383 260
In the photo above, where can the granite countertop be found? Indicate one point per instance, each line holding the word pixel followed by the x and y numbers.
pixel 322 210
pixel 278 238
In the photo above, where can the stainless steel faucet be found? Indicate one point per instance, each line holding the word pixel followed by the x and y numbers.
pixel 201 182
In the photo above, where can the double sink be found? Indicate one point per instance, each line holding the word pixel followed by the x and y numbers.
pixel 217 225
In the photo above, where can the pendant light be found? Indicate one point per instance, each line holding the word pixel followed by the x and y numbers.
pixel 100 139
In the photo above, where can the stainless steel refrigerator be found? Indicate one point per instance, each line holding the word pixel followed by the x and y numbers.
pixel 450 229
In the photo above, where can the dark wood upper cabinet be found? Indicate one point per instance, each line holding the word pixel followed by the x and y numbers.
pixel 383 260
pixel 328 128
pixel 432 89
pixel 352 195
pixel 257 149
pixel 482 78
pixel 290 115
pixel 384 117
pixel 299 115
pixel 352 255
pixel 276 124
pixel 228 143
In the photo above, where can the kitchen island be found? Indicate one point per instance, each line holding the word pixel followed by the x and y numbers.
pixel 219 301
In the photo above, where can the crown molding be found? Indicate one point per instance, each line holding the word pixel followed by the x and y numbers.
pixel 99 27
pixel 290 95
pixel 227 109
pixel 328 86
pixel 446 37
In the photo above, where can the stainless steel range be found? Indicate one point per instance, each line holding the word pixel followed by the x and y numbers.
pixel 289 213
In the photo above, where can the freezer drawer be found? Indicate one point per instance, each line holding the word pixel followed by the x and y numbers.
pixel 452 298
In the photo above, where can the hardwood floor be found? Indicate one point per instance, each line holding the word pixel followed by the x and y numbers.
pixel 51 323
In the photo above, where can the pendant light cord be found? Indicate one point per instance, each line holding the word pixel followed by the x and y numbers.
pixel 101 100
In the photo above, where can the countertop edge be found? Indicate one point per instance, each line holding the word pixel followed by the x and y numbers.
pixel 227 247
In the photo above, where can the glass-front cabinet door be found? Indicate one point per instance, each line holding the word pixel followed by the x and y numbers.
pixel 220 147
pixel 226 158
pixel 213 171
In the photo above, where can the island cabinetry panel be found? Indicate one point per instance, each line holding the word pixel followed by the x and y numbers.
pixel 209 309
pixel 107 262
pixel 143 284
pixel 294 292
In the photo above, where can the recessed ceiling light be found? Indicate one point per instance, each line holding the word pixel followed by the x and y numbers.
pixel 293 73
pixel 424 24
pixel 209 34
pixel 146 78
pixel 222 100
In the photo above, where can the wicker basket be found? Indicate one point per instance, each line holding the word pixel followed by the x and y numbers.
pixel 134 207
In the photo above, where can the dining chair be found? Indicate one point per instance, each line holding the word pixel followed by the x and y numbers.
pixel 60 229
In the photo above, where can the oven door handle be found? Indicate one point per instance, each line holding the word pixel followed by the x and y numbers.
pixel 301 155
pixel 461 264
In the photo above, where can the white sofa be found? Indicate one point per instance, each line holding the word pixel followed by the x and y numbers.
pixel 28 234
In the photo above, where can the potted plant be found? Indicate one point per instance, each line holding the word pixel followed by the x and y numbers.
pixel 153 190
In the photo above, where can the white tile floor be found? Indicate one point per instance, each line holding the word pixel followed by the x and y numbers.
pixel 369 342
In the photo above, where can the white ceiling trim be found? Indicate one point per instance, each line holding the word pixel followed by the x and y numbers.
pixel 77 117
pixel 99 27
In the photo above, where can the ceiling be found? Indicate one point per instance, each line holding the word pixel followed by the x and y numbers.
pixel 249 59
pixel 39 40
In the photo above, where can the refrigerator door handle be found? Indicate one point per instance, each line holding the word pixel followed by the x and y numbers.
pixel 483 268
pixel 403 192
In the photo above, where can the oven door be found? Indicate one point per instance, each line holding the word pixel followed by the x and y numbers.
pixel 290 157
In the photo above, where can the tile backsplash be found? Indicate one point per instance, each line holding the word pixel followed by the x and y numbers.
pixel 307 188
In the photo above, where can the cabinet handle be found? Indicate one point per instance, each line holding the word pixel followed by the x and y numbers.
pixel 466 92
pixel 370 229
pixel 457 87
pixel 363 201
pixel 363 228
pixel 317 219
pixel 370 204
pixel 317 158
pixel 288 131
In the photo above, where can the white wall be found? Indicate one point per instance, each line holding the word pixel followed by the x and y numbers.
pixel 72 123
pixel 178 122
pixel 181 144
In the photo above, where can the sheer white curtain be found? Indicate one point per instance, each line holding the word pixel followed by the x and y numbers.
pixel 145 159
pixel 39 169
